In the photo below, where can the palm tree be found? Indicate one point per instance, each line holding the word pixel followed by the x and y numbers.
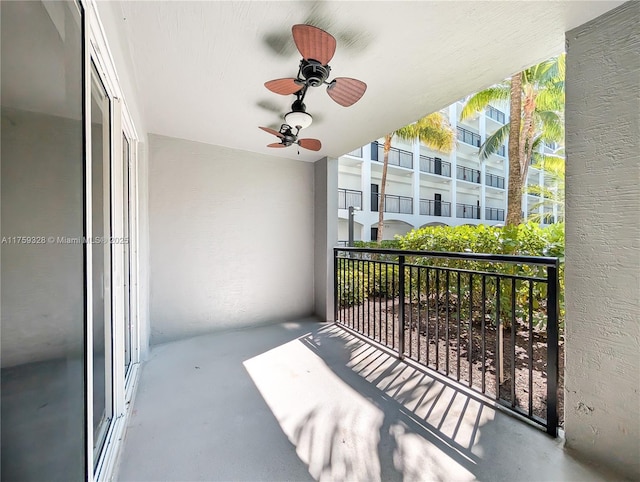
pixel 536 100
pixel 553 165
pixel 432 130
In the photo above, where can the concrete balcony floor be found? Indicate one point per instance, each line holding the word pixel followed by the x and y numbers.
pixel 307 400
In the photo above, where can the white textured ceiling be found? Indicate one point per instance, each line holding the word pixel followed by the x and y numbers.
pixel 200 66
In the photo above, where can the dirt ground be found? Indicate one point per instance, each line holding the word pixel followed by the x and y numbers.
pixel 436 341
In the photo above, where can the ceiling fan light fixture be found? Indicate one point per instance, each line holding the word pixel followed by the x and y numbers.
pixel 298 119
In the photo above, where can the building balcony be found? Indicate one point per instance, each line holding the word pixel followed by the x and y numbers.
pixel 493 180
pixel 435 165
pixel 356 152
pixel 494 214
pixel 467 211
pixel 349 197
pixel 495 114
pixel 468 137
pixel 502 151
pixel 431 207
pixel 393 204
pixel 397 157
pixel 468 174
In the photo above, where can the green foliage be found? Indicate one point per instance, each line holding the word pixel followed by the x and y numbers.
pixel 353 285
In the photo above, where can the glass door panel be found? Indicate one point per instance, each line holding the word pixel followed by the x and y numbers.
pixel 101 259
pixel 43 273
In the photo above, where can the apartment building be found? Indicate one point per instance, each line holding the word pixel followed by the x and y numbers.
pixel 430 188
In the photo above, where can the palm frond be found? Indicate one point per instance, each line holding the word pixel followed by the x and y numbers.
pixel 494 141
pixel 550 125
pixel 498 93
pixel 432 130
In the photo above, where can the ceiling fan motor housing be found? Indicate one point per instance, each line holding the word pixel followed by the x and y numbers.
pixel 314 72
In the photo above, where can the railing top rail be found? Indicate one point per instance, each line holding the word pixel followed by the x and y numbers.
pixel 503 258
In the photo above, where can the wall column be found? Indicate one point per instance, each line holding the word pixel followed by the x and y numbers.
pixel 325 234
pixel 602 420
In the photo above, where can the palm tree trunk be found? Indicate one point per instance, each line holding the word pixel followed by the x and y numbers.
pixel 514 201
pixel 383 187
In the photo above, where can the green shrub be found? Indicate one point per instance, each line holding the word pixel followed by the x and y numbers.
pixel 526 240
pixel 353 285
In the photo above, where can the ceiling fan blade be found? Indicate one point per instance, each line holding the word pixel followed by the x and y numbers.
pixel 276 144
pixel 346 91
pixel 283 86
pixel 271 131
pixel 314 43
pixel 311 144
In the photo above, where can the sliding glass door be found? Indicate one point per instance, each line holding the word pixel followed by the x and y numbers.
pixel 68 270
pixel 43 266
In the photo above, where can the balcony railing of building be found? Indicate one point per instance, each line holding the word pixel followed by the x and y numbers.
pixel 502 151
pixel 435 165
pixel 394 204
pixel 349 197
pixel 489 322
pixel 431 207
pixel 494 181
pixel 495 114
pixel 494 214
pixel 397 157
pixel 356 152
pixel 468 137
pixel 467 211
pixel 468 174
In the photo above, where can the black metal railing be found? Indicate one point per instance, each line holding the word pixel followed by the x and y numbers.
pixel 494 181
pixel 435 165
pixel 502 151
pixel 349 197
pixel 494 214
pixel 468 174
pixel 394 204
pixel 356 152
pixel 432 207
pixel 468 137
pixel 495 114
pixel 397 157
pixel 468 211
pixel 490 322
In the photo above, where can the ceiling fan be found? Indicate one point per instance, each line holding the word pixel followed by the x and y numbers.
pixel 288 137
pixel 317 48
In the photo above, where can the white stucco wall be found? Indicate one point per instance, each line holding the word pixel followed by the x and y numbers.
pixel 602 382
pixel 231 238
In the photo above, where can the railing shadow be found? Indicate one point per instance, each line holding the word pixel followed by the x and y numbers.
pixel 411 402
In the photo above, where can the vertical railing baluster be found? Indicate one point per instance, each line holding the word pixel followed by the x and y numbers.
pixel 513 342
pixel 459 303
pixel 393 306
pixel 335 285
pixel 498 360
pixel 470 334
pixel 530 348
pixel 410 311
pixel 437 315
pixel 553 308
pixel 418 270
pixel 401 296
pixel 428 349
pixel 483 328
pixel 446 328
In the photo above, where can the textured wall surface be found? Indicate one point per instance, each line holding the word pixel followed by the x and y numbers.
pixel 602 405
pixel 231 238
